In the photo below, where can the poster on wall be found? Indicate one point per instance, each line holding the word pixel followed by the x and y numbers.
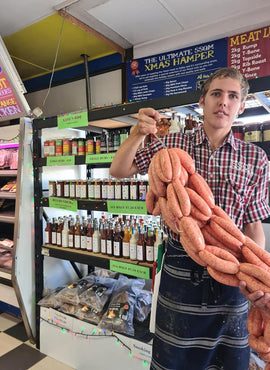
pixel 174 72
pixel 250 52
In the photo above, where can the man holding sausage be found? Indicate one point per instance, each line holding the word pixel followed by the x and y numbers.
pixel 200 323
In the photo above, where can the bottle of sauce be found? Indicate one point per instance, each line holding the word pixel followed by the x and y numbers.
pixel 116 140
pixel 71 233
pixel 157 243
pixel 65 234
pixel 117 189
pixel 126 243
pixel 48 232
pixel 150 246
pixel 125 189
pixel 89 235
pixel 133 245
pixel 141 245
pixel 117 242
pixel 96 237
pixel 77 234
pixel 59 232
pixel 103 237
pixel 54 231
pixel 110 238
pixel 84 234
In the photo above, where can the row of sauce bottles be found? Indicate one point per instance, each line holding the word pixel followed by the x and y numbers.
pixel 113 237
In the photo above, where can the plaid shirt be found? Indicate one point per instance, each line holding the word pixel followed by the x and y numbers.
pixel 237 172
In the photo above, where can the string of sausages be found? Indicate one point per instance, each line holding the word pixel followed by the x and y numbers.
pixel 208 235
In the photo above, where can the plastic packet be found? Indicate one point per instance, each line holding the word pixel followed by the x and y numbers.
pixel 98 294
pixel 87 314
pixel 120 313
pixel 143 305
pixel 71 293
pixel 50 299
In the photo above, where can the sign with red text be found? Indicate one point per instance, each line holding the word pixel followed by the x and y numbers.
pixel 250 52
pixel 9 105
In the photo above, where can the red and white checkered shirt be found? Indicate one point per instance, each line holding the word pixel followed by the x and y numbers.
pixel 237 172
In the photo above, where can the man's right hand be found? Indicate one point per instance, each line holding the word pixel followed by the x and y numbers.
pixel 146 124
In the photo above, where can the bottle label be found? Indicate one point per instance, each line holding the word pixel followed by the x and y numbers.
pixel 66 190
pixel 54 239
pixel 77 241
pixel 126 248
pixel 70 241
pixel 83 242
pixel 142 192
pixel 89 243
pixel 110 191
pixel 47 240
pixel 58 239
pixel 65 240
pixel 83 191
pixel 91 192
pixel 133 251
pixel 103 246
pixel 72 191
pixel 139 252
pixel 96 245
pixel 116 249
pixel 117 191
pixel 125 194
pixel 149 253
pixel 109 247
pixel 133 192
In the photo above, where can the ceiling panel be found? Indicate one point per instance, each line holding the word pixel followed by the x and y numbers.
pixel 137 21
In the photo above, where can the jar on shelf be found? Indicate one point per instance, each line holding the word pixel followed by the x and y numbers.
pixel 59 147
pixel 81 147
pixel 74 147
pixel 253 132
pixel 266 131
pixel 238 132
pixel 67 147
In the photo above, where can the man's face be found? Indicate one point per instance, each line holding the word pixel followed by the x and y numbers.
pixel 221 104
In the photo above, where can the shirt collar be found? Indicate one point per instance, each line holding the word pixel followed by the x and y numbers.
pixel 200 137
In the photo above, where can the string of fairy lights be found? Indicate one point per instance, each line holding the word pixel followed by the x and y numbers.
pixel 96 334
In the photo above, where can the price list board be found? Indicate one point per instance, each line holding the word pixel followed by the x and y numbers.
pixel 250 52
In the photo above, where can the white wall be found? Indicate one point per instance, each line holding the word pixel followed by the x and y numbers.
pixel 106 89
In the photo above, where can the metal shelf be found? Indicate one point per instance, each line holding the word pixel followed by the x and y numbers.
pixel 7 195
pixel 7 217
pixel 8 173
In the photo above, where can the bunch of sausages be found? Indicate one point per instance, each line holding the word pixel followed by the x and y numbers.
pixel 208 235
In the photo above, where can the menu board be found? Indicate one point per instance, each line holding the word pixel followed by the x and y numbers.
pixel 250 52
pixel 174 72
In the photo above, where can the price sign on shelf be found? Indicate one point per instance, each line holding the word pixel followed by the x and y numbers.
pixel 126 206
pixel 99 158
pixel 68 160
pixel 67 204
pixel 130 269
pixel 78 119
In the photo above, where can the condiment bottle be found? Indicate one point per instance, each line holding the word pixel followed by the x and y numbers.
pixel 84 234
pixel 71 234
pixel 103 237
pixel 89 235
pixel 54 231
pixel 96 238
pixel 150 246
pixel 126 243
pixel 117 242
pixel 141 246
pixel 65 234
pixel 77 234
pixel 110 237
pixel 133 245
pixel 59 232
pixel 158 242
pixel 48 232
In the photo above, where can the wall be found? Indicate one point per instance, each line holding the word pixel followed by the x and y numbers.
pixel 106 89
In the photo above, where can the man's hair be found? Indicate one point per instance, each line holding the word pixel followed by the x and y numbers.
pixel 228 72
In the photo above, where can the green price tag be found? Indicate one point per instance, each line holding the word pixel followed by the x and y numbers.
pixel 67 160
pixel 67 204
pixel 126 206
pixel 99 158
pixel 129 269
pixel 79 119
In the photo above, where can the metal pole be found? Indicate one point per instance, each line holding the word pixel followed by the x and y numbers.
pixel 87 81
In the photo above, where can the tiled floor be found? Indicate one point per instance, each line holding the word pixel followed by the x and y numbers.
pixel 16 351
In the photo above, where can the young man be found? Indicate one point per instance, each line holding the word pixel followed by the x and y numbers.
pixel 200 323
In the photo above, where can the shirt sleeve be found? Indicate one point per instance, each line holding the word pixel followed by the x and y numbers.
pixel 258 207
pixel 144 155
